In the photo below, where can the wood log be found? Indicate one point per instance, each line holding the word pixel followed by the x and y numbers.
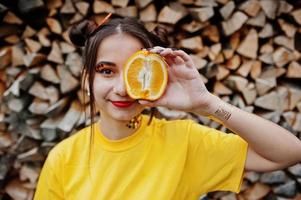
pixel 287 28
pixel 167 15
pixel 282 56
pixel 49 74
pixel 284 7
pixel 130 11
pixel 32 59
pixel 227 10
pixel 120 3
pixel 66 47
pixel 202 14
pixel 294 97
pixel 198 61
pixel 205 3
pixel 194 26
pixel 38 90
pixel 223 72
pixel 82 7
pixel 71 117
pixel 263 85
pixel 68 82
pixel 11 18
pixel 257 191
pixel 40 72
pixel 55 55
pixel 212 33
pixel 234 23
pixel 42 36
pixel 54 25
pixel 259 20
pixel 245 67
pixel 102 7
pixel 68 7
pixel 52 4
pixel 28 32
pixel 33 45
pixel 297 123
pixel 297 16
pixel 149 14
pixel 284 41
pixel 249 45
pixel 193 43
pixel 220 89
pixel 234 62
pixel 5 57
pixel 294 70
pixel 289 117
pixel 38 106
pixel 143 3
pixel 251 7
pixel 267 31
pixel 269 7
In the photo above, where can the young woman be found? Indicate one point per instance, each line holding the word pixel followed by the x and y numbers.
pixel 121 156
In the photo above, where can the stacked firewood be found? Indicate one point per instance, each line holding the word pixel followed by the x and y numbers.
pixel 247 52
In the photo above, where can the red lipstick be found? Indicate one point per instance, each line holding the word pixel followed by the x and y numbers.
pixel 122 104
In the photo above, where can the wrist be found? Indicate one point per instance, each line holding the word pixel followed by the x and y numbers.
pixel 221 112
pixel 208 108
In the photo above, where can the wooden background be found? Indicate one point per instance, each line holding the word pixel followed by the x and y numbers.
pixel 248 53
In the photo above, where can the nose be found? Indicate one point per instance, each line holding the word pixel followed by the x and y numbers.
pixel 119 88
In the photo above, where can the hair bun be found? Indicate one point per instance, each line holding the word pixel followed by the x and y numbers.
pixel 80 32
pixel 162 33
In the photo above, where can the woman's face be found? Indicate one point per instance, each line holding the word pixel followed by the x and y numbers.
pixel 109 89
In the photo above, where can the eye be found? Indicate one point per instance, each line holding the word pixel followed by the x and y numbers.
pixel 106 71
pixel 103 69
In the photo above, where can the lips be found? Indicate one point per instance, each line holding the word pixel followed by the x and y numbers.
pixel 122 104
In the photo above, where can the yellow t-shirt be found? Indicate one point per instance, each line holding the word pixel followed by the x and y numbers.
pixel 168 160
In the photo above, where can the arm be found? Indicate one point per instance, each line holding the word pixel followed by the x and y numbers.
pixel 271 147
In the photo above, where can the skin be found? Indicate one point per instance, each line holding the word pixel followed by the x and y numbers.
pixel 109 85
pixel 185 82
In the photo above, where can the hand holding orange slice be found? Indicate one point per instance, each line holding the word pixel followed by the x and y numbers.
pixel 145 75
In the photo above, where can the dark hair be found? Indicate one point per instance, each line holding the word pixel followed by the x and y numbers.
pixel 89 35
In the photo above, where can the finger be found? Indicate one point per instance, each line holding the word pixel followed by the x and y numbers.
pixel 156 49
pixel 146 103
pixel 187 59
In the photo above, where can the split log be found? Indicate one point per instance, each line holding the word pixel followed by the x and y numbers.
pixel 194 43
pixel 294 70
pixel 234 23
pixel 249 45
pixel 149 14
pixel 251 7
pixel 68 82
pixel 130 11
pixel 202 14
pixel 227 10
pixel 269 7
pixel 102 7
pixel 167 15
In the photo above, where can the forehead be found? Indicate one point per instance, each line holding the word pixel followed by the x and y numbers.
pixel 118 47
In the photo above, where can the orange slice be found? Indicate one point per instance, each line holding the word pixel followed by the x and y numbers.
pixel 145 75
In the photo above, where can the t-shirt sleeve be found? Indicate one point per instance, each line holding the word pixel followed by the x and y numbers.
pixel 215 159
pixel 49 186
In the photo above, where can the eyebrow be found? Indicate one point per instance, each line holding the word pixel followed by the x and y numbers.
pixel 106 63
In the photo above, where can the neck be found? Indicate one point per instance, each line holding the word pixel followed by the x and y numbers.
pixel 115 130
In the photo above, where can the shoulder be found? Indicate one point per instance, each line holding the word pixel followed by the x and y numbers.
pixel 73 146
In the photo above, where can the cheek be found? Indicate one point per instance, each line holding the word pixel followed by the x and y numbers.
pixel 101 88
